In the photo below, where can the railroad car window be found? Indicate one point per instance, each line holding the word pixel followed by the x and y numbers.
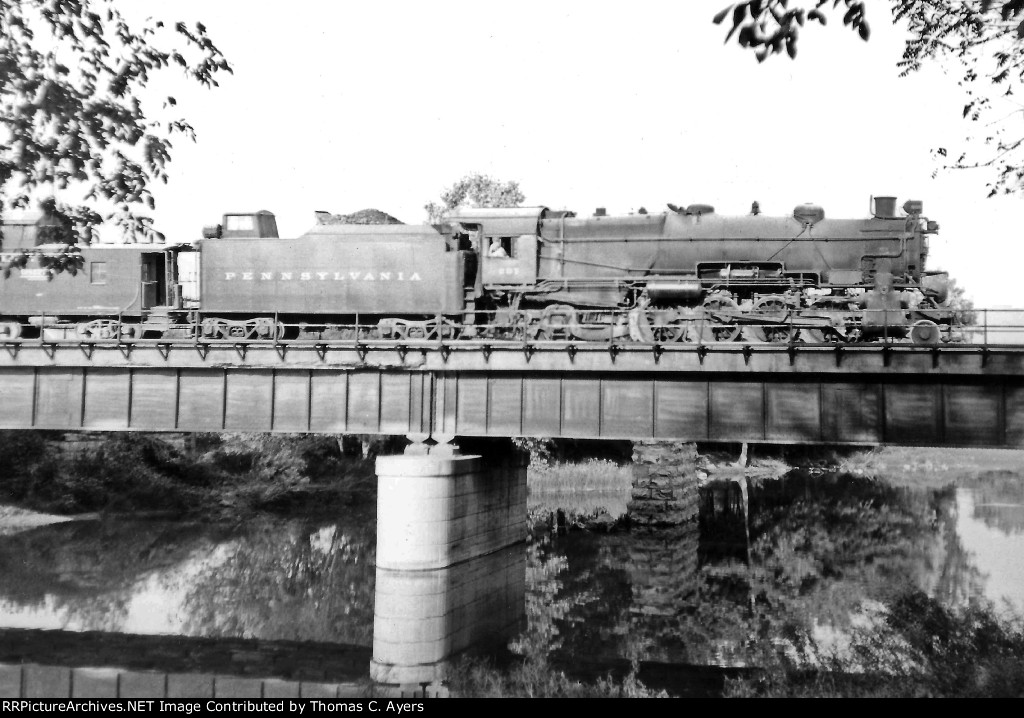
pixel 501 247
pixel 239 222
pixel 97 272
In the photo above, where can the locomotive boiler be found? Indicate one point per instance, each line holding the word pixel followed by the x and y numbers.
pixel 687 274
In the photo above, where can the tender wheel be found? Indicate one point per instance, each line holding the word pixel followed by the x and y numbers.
pixel 267 328
pixel 775 309
pixel 211 328
pixel 721 328
pixel 98 329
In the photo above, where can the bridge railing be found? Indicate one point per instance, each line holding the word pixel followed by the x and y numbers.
pixel 827 325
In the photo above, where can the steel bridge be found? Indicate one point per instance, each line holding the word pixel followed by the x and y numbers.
pixel 871 393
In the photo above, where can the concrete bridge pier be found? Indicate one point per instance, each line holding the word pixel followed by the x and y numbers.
pixel 451 533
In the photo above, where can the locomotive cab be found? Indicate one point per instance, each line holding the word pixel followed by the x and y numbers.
pixel 504 240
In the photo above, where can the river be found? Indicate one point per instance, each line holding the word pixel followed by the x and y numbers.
pixel 811 555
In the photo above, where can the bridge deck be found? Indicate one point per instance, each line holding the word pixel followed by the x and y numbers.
pixel 853 394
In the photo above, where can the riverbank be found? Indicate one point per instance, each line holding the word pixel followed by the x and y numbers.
pixel 50 475
pixel 210 476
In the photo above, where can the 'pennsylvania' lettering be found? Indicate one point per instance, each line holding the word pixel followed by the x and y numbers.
pixel 322 276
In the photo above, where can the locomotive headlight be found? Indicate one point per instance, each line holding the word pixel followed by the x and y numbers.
pixel 913 206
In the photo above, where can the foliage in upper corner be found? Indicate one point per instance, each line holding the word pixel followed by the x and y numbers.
pixel 72 116
pixel 475 190
pixel 984 40
pixel 770 27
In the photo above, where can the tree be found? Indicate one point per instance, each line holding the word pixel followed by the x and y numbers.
pixel 76 132
pixel 475 190
pixel 984 39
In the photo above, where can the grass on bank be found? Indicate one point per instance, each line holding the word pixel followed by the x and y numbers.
pixel 930 466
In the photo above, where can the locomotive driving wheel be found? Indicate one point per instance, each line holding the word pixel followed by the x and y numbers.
pixel 719 322
pixel 823 335
pixel 667 326
pixel 776 312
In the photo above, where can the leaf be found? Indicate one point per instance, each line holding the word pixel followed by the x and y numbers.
pixel 721 15
pixel 865 31
pixel 739 14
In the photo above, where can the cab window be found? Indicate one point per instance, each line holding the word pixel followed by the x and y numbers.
pixel 501 247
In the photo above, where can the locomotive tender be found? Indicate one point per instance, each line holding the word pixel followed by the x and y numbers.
pixel 516 273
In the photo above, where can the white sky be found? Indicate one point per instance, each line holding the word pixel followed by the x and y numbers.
pixel 341 106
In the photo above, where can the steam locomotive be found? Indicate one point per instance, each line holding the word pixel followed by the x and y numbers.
pixel 686 274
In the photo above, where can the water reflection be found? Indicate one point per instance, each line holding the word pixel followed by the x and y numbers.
pixel 758 565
